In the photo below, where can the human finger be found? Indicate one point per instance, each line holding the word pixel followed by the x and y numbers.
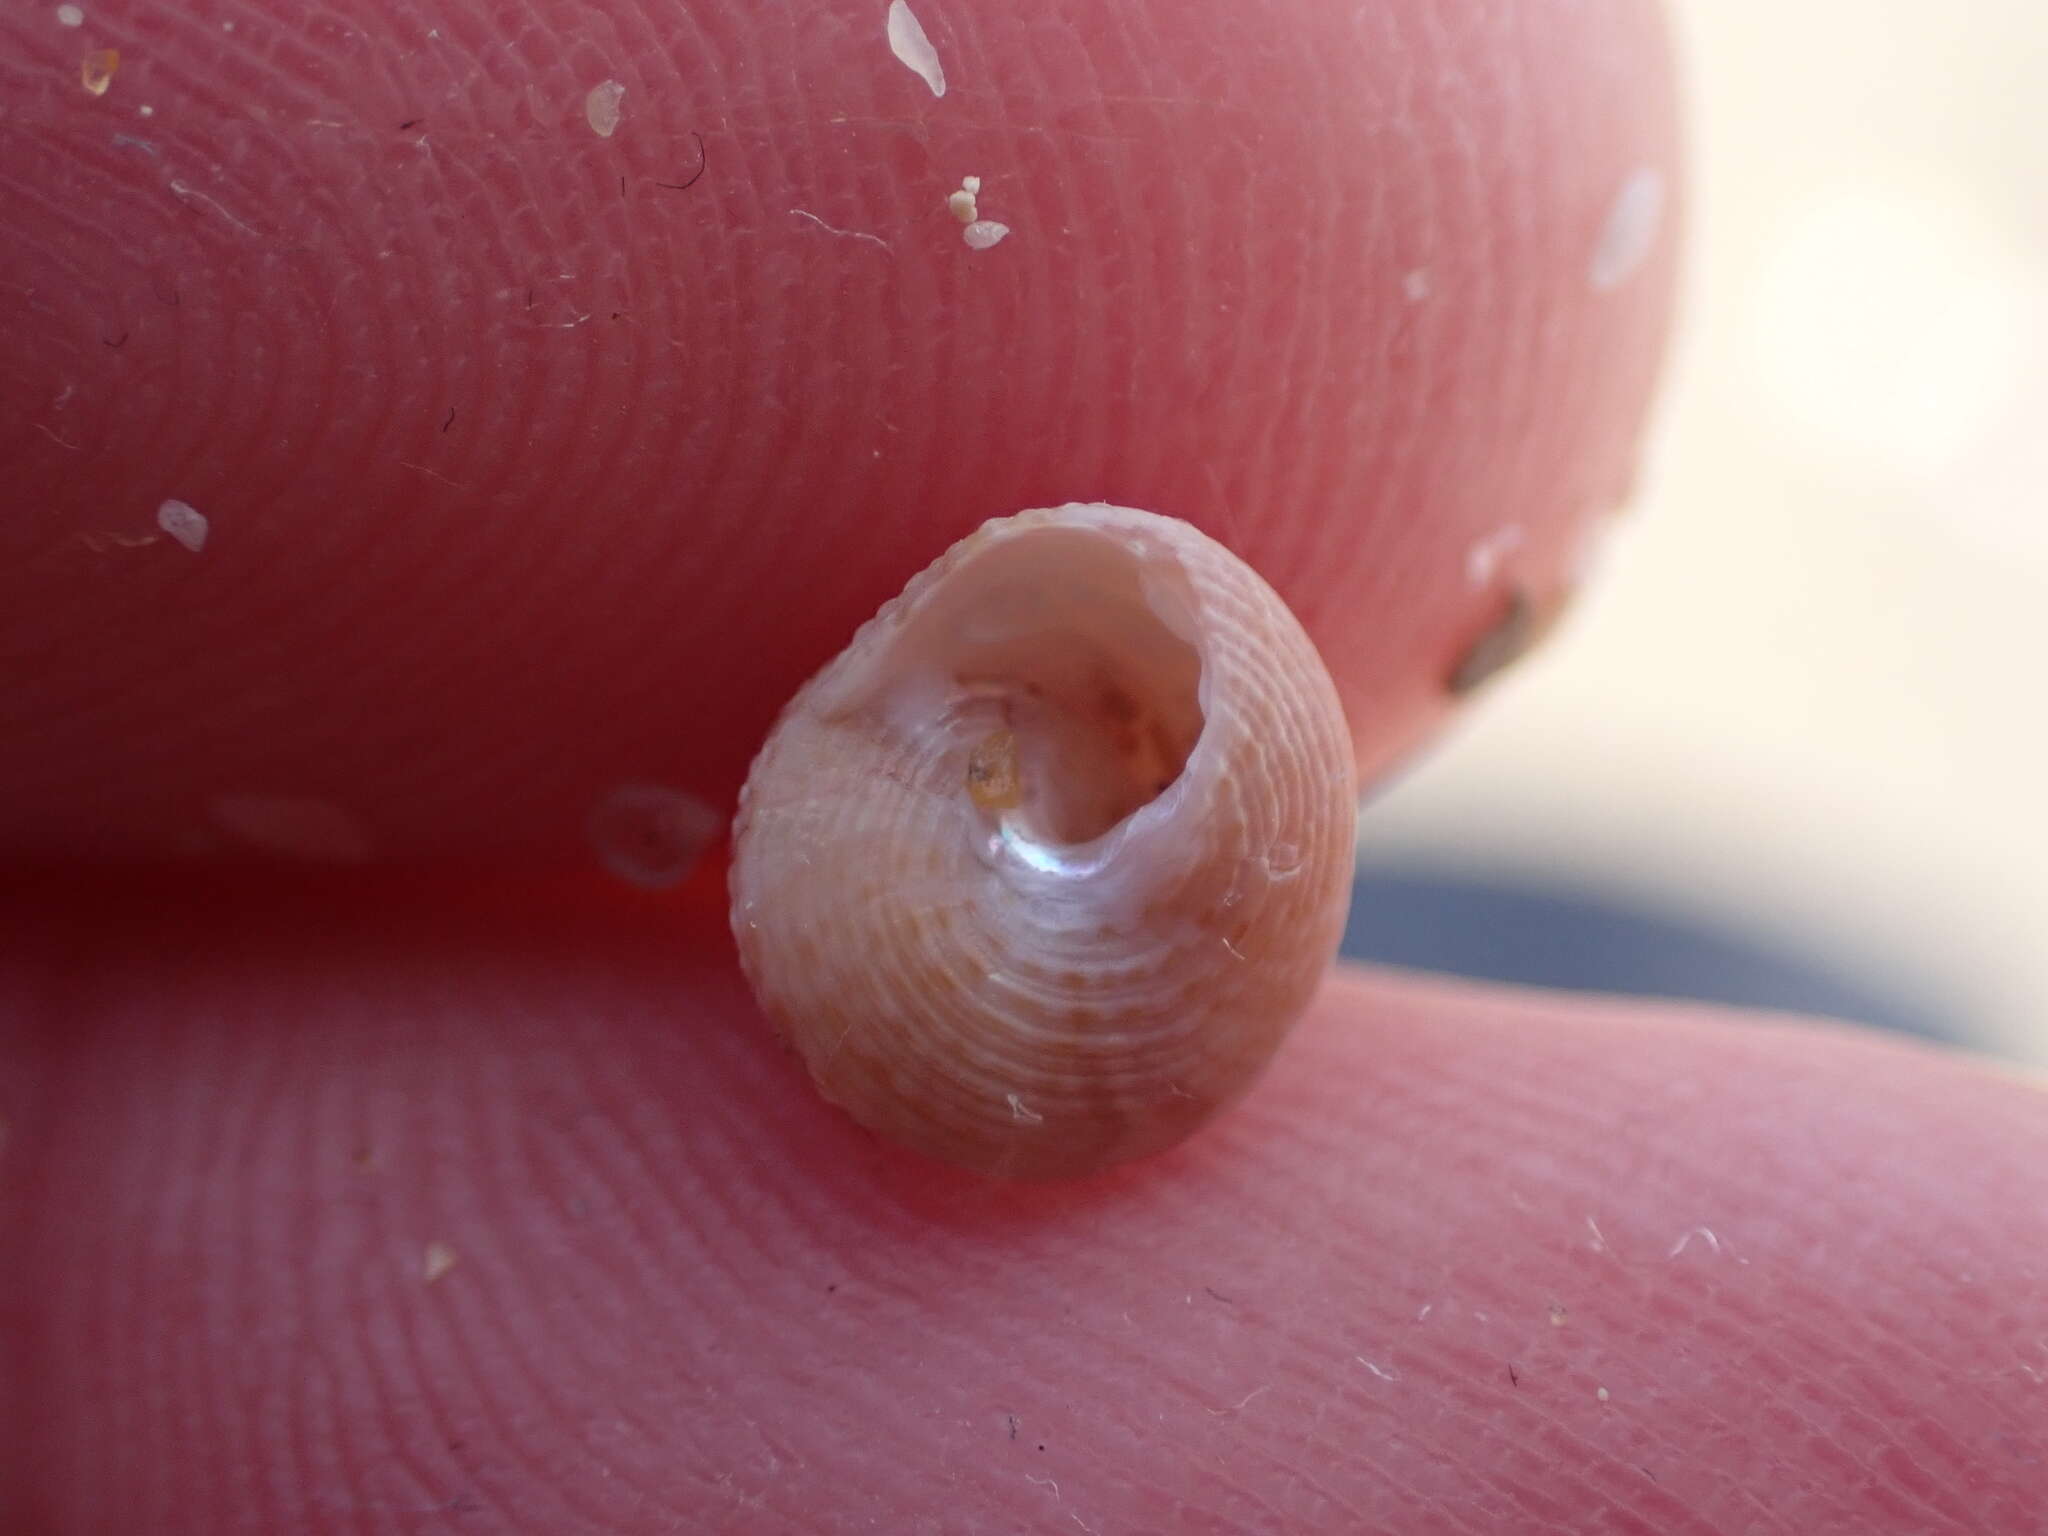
pixel 428 428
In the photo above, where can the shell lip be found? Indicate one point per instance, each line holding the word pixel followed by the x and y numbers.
pixel 869 681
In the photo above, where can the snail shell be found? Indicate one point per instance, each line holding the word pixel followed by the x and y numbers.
pixel 1039 871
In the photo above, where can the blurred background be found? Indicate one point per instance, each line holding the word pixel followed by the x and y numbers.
pixel 1790 749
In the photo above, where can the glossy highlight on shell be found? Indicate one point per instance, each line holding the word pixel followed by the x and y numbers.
pixel 1037 873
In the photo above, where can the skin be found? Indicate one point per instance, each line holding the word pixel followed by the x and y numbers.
pixel 641 531
pixel 244 1103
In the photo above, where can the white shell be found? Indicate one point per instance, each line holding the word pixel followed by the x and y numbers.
pixel 1037 873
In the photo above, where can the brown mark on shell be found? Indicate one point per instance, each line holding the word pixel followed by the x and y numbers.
pixel 992 773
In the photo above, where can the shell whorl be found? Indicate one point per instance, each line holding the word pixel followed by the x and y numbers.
pixel 1038 872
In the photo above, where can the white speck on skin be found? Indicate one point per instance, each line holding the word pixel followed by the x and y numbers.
pixel 1557 1315
pixel 1427 1308
pixel 1599 1243
pixel 1685 1240
pixel 964 204
pixel 908 42
pixel 193 194
pixel 1601 1394
pixel 1384 1375
pixel 985 234
pixel 833 229
pixel 1239 1406
pixel 601 106
pixel 146 110
pixel 1021 1111
pixel 1483 559
pixel 1043 1482
pixel 652 835
pixel 100 543
pixel 70 16
pixel 1630 232
pixel 293 826
pixel 440 1258
pixel 1415 285
pixel 183 522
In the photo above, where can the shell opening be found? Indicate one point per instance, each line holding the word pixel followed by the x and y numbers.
pixel 1070 689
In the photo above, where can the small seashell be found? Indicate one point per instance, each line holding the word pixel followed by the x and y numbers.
pixel 1039 871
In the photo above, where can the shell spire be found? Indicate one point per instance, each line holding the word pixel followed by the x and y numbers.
pixel 1039 871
